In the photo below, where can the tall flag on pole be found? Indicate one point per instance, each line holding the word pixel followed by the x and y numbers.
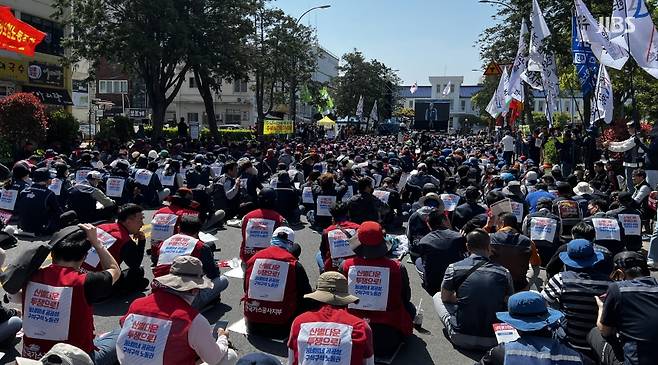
pixel 643 39
pixel 374 114
pixel 359 107
pixel 446 90
pixel 608 53
pixel 413 88
pixel 515 88
pixel 17 36
pixel 602 108
pixel 497 103
pixel 584 61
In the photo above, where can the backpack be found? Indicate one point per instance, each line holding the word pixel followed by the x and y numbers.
pixel 18 272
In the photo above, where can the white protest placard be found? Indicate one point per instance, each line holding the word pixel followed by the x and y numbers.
pixel 142 340
pixel 81 175
pixel 323 343
pixel 505 333
pixel 403 180
pixel 382 195
pixel 378 179
pixel 143 177
pixel 167 180
pixel 517 209
pixel 370 285
pixel 632 224
pixel 325 203
pixel 174 246
pixel 606 229
pixel 106 239
pixel 450 201
pixel 163 226
pixel 216 169
pixel 339 243
pixel 543 229
pixel 56 186
pixel 258 233
pixel 114 187
pixel 349 193
pixel 268 280
pixel 568 209
pixel 503 206
pixel 8 199
pixel 47 312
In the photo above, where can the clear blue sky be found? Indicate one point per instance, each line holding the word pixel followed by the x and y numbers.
pixel 421 38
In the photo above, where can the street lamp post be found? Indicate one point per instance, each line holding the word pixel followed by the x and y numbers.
pixel 292 109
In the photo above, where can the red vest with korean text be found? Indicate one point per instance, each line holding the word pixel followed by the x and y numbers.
pixel 261 311
pixel 362 347
pixel 246 253
pixel 396 315
pixel 81 322
pixel 163 269
pixel 163 305
pixel 325 251
pixel 122 237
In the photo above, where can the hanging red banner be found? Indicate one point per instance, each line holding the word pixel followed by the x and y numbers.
pixel 17 36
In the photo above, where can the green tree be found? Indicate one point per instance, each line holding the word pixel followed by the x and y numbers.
pixel 62 129
pixel 151 38
pixel 371 79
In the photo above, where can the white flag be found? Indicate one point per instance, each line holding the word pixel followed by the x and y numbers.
pixel 515 89
pixel 551 85
pixel 413 88
pixel 373 113
pixel 532 78
pixel 497 103
pixel 446 90
pixel 602 107
pixel 607 52
pixel 539 32
pixel 359 107
pixel 643 41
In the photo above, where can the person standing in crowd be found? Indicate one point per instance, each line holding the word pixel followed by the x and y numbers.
pixel 507 142
pixel 182 128
pixel 572 291
pixel 275 285
pixel 528 315
pixel 625 330
pixel 390 316
pixel 473 290
pixel 37 207
pixel 180 334
pixel 75 293
pixel 633 157
pixel 314 333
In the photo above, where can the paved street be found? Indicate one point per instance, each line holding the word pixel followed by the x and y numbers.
pixel 427 346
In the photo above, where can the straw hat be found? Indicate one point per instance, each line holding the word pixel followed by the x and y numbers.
pixel 332 289
pixel 186 273
pixel 61 353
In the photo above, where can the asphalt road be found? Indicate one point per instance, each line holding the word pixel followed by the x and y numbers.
pixel 428 345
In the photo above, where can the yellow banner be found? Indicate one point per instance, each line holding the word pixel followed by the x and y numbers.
pixel 278 127
pixel 11 69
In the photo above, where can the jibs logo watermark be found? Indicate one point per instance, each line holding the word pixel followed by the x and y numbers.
pixel 615 24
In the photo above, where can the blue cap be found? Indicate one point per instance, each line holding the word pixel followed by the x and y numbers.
pixel 506 176
pixel 580 254
pixel 527 312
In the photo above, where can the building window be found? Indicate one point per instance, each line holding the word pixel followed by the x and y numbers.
pixel 540 105
pixel 192 83
pixel 113 86
pixel 451 105
pixel 52 43
pixel 464 105
pixel 411 104
pixel 192 117
pixel 239 86
pixel 233 116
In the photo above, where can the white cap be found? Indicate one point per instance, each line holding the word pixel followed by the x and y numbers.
pixel 69 355
pixel 287 232
pixel 94 175
pixel 153 154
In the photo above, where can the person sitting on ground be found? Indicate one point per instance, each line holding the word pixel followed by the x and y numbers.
pixel 83 198
pixel 512 250
pixel 535 323
pixel 366 207
pixel 546 239
pixel 630 219
pixel 390 316
pixel 329 322
pixel 168 312
pixel 417 226
pixel 10 319
pixel 37 207
pixel 572 291
pixel 187 243
pixel 121 246
pixel 470 297
pixel 61 353
pixel 270 306
pixel 628 315
pixel 540 192
pixel 438 249
pixel 465 212
pixel 334 245
pixel 259 225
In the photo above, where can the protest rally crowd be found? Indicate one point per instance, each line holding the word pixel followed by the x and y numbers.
pixel 526 262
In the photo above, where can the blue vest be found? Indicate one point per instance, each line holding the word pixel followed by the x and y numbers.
pixel 531 350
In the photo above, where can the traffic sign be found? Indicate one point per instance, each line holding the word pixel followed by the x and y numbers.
pixel 493 69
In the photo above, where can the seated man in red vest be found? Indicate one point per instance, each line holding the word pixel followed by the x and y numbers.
pixel 61 285
pixel 335 247
pixel 164 328
pixel 187 243
pixel 116 238
pixel 330 333
pixel 382 286
pixel 275 284
pixel 258 225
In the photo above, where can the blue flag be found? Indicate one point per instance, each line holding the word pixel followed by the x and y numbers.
pixel 587 67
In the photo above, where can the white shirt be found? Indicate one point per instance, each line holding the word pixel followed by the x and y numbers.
pixel 200 339
pixel 508 143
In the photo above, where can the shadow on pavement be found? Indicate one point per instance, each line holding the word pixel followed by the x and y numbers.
pixel 213 314
pixel 268 345
pixel 471 354
pixel 414 351
pixel 116 306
